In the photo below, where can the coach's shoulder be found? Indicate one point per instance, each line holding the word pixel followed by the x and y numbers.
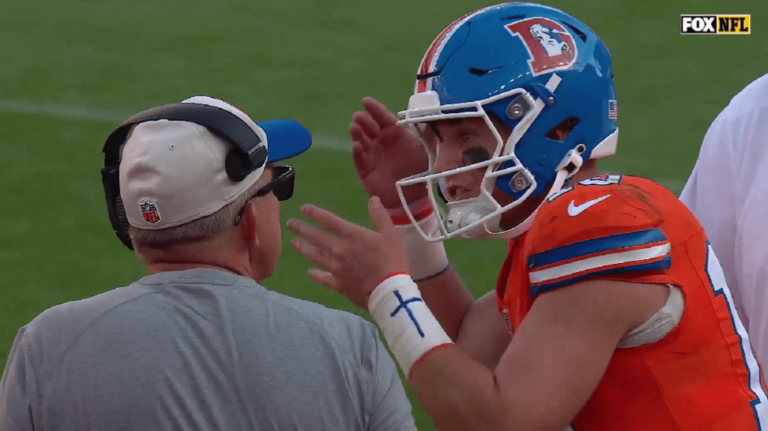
pixel 53 330
pixel 84 310
pixel 348 331
pixel 324 318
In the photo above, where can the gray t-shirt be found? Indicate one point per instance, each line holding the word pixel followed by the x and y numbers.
pixel 200 349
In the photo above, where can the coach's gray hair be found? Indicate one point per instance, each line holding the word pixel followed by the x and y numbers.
pixel 194 231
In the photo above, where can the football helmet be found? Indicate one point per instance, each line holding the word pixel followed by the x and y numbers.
pixel 531 67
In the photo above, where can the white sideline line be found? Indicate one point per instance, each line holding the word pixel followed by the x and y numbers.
pixel 84 113
pixel 62 111
pixel 106 116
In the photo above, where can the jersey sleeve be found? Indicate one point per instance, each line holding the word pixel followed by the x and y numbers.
pixel 607 230
pixel 18 389
pixel 388 406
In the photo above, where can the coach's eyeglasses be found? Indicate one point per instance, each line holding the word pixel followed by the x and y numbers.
pixel 281 185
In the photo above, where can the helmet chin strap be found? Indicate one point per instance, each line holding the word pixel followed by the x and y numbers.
pixel 466 212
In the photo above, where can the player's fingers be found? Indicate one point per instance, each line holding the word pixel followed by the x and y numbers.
pixel 383 117
pixel 360 160
pixel 357 135
pixel 380 216
pixel 323 277
pixel 366 123
pixel 314 255
pixel 313 235
pixel 331 222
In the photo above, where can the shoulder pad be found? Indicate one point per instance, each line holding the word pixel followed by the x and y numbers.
pixel 598 226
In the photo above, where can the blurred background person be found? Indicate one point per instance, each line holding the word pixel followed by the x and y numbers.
pixel 728 193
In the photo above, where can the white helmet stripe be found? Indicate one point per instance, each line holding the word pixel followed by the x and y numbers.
pixel 436 47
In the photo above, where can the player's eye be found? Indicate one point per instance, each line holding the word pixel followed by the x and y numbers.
pixel 464 136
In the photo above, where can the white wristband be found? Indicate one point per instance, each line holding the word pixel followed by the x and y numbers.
pixel 426 258
pixel 409 327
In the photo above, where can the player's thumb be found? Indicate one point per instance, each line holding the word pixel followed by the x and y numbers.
pixel 379 215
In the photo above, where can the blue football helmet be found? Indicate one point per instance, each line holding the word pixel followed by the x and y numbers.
pixel 532 67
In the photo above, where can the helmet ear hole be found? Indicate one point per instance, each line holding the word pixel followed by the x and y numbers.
pixel 561 131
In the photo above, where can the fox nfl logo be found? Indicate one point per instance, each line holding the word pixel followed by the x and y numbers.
pixel 715 24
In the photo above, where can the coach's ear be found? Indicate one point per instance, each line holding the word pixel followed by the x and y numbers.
pixel 249 226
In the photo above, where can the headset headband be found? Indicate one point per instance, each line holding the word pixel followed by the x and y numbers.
pixel 221 121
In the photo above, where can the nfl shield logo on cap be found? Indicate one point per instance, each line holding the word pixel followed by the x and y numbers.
pixel 149 212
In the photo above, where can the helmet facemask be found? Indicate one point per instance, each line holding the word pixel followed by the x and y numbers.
pixel 479 215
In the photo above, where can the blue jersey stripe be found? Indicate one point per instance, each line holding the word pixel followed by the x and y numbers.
pixel 660 265
pixel 597 245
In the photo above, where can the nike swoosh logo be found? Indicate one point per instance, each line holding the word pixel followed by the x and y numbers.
pixel 574 210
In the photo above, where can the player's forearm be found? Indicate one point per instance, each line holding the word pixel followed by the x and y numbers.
pixel 458 393
pixel 449 299
pixel 484 334
pixel 440 285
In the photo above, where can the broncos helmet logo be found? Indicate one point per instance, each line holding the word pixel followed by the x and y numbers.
pixel 548 38
pixel 550 45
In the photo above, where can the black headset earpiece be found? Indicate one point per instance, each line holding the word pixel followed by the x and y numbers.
pixel 238 165
pixel 110 176
pixel 247 152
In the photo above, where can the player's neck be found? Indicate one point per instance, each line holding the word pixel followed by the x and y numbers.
pixel 588 170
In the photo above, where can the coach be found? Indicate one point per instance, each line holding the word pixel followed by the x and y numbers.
pixel 199 344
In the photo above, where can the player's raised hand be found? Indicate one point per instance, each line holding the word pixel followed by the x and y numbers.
pixel 384 152
pixel 350 259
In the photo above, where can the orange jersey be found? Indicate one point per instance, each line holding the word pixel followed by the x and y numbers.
pixel 703 374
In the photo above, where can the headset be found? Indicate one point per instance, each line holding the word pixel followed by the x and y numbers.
pixel 246 154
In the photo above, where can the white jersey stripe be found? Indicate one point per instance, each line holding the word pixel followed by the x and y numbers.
pixel 632 256
pixel 720 287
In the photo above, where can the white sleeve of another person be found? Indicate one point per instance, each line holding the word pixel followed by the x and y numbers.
pixel 728 193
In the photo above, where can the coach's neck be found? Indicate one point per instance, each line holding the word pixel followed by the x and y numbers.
pixel 223 252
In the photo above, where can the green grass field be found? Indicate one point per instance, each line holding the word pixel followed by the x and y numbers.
pixel 71 71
